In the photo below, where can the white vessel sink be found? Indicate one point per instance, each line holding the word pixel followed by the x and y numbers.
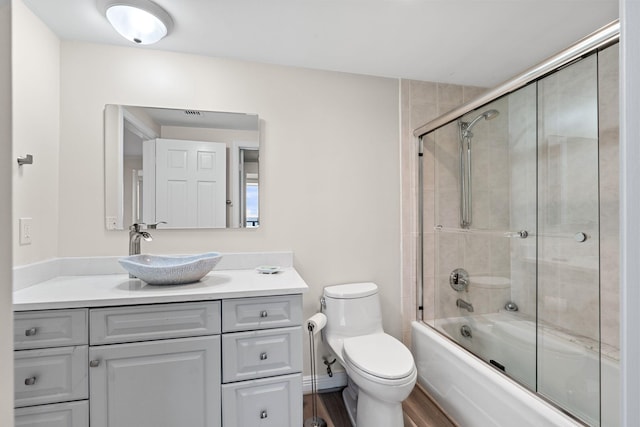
pixel 170 270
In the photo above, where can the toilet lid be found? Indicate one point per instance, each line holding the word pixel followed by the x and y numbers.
pixel 351 290
pixel 380 355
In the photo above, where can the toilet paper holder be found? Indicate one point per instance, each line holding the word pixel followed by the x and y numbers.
pixel 314 325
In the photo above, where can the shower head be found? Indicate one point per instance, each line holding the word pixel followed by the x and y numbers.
pixel 487 115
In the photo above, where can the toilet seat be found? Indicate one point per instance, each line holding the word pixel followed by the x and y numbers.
pixel 379 355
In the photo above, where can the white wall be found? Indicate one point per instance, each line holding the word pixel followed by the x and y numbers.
pixel 630 209
pixel 329 161
pixel 7 160
pixel 36 130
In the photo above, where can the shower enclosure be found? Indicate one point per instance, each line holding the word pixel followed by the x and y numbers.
pixel 518 212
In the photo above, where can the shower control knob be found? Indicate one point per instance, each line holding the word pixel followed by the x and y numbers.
pixel 459 279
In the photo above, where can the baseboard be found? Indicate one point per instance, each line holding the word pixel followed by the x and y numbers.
pixel 325 382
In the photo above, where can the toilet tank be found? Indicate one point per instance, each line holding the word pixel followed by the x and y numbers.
pixel 352 310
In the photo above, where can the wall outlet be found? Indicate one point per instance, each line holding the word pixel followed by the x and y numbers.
pixel 26 230
pixel 111 222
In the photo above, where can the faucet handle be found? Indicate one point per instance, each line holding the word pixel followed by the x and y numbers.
pixel 155 226
pixel 137 226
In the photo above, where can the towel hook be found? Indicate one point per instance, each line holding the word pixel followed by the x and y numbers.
pixel 27 160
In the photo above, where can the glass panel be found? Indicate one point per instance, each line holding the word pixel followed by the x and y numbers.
pixel 609 235
pixel 568 240
pixel 518 332
pixel 448 246
pixel 427 186
pixel 486 162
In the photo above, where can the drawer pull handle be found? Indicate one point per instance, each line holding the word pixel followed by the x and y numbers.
pixel 263 356
pixel 263 313
pixel 30 381
pixel 94 363
pixel 263 414
pixel 31 332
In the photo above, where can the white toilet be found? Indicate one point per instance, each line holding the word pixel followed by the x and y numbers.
pixel 380 368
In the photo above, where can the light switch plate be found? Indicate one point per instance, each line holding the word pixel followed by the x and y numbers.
pixel 25 231
pixel 111 222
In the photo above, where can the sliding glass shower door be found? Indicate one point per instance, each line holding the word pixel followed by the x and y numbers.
pixel 510 235
pixel 568 242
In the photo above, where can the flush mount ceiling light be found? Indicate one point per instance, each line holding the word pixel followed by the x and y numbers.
pixel 139 21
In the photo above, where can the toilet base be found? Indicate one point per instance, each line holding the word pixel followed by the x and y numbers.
pixel 350 400
pixel 372 412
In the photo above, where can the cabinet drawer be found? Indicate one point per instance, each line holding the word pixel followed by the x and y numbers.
pixel 270 402
pixel 49 328
pixel 261 313
pixel 69 414
pixel 153 322
pixel 259 354
pixel 50 375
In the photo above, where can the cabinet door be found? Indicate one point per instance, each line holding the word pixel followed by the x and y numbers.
pixel 168 383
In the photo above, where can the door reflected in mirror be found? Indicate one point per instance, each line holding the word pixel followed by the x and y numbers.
pixel 188 168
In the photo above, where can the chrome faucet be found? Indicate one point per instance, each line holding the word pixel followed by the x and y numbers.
pixel 463 304
pixel 135 234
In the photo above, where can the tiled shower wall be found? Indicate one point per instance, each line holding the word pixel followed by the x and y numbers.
pixel 421 102
pixel 484 256
pixel 424 101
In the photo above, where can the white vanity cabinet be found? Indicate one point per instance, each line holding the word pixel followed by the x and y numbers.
pixel 227 362
pixel 155 365
pixel 262 361
pixel 50 368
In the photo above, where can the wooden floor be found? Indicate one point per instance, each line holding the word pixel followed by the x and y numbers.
pixel 419 410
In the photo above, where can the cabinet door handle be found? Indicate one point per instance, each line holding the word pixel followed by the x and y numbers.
pixel 30 381
pixel 263 356
pixel 94 363
pixel 31 332
pixel 263 414
pixel 263 313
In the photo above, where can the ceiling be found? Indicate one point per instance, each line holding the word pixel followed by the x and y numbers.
pixel 470 42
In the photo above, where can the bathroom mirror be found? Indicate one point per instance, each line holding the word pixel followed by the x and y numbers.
pixel 181 168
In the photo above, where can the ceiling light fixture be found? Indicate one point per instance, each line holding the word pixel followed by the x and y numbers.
pixel 139 21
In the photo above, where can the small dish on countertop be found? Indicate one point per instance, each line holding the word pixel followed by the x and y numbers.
pixel 268 269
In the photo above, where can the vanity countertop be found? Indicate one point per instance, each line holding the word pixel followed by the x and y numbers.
pixel 119 289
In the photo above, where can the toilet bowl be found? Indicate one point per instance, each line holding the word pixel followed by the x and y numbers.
pixel 380 368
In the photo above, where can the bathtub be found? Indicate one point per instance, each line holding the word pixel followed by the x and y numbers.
pixel 476 394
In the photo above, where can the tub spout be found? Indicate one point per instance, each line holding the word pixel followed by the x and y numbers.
pixel 463 304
